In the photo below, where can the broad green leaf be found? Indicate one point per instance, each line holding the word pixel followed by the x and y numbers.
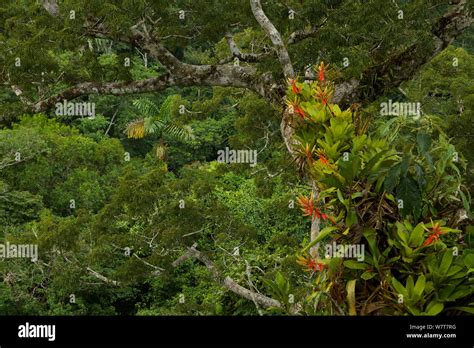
pixel 409 286
pixel 402 232
pixel 351 218
pixel 399 287
pixel 416 236
pixel 453 270
pixel 469 260
pixel 461 292
pixel 423 141
pixel 368 167
pixel 367 275
pixel 419 287
pixel 341 199
pixel 352 264
pixel 409 193
pixel 392 178
pixel 446 262
pixel 434 308
pixel 351 301
pixel 465 309
pixel 322 234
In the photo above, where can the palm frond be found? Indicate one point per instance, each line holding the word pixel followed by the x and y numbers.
pixel 146 107
pixel 154 121
pixel 178 132
pixel 170 106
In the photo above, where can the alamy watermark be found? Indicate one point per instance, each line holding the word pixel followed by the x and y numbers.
pixel 237 156
pixel 75 109
pixel 400 109
pixel 9 251
pixel 37 331
pixel 345 251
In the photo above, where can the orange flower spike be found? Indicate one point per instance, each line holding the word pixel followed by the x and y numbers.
pixel 295 107
pixel 321 71
pixel 434 236
pixel 315 266
pixel 299 111
pixel 331 220
pixel 305 204
pixel 320 266
pixel 301 261
pixel 324 95
pixel 437 229
pixel 295 88
pixel 310 264
pixel 323 159
pixel 308 208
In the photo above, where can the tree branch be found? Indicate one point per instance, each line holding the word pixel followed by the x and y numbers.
pixel 245 57
pixel 183 75
pixel 180 73
pixel 103 278
pixel 228 282
pixel 380 78
pixel 275 37
pixel 112 88
pixel 300 35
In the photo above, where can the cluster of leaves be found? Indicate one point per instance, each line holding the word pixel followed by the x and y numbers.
pixel 139 208
pixel 383 190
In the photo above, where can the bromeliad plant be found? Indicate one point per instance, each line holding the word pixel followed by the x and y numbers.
pixel 397 191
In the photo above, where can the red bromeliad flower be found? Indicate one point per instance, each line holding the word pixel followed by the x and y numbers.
pixel 315 266
pixel 323 159
pixel 294 87
pixel 310 264
pixel 308 208
pixel 299 111
pixel 321 71
pixel 296 108
pixel 434 236
pixel 324 95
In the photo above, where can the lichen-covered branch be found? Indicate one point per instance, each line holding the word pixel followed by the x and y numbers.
pixel 228 282
pixel 275 37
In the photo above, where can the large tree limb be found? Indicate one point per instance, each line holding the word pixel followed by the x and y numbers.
pixel 112 88
pixel 180 73
pixel 228 282
pixel 379 79
pixel 275 37
pixel 183 75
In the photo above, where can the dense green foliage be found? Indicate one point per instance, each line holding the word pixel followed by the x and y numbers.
pixel 113 200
